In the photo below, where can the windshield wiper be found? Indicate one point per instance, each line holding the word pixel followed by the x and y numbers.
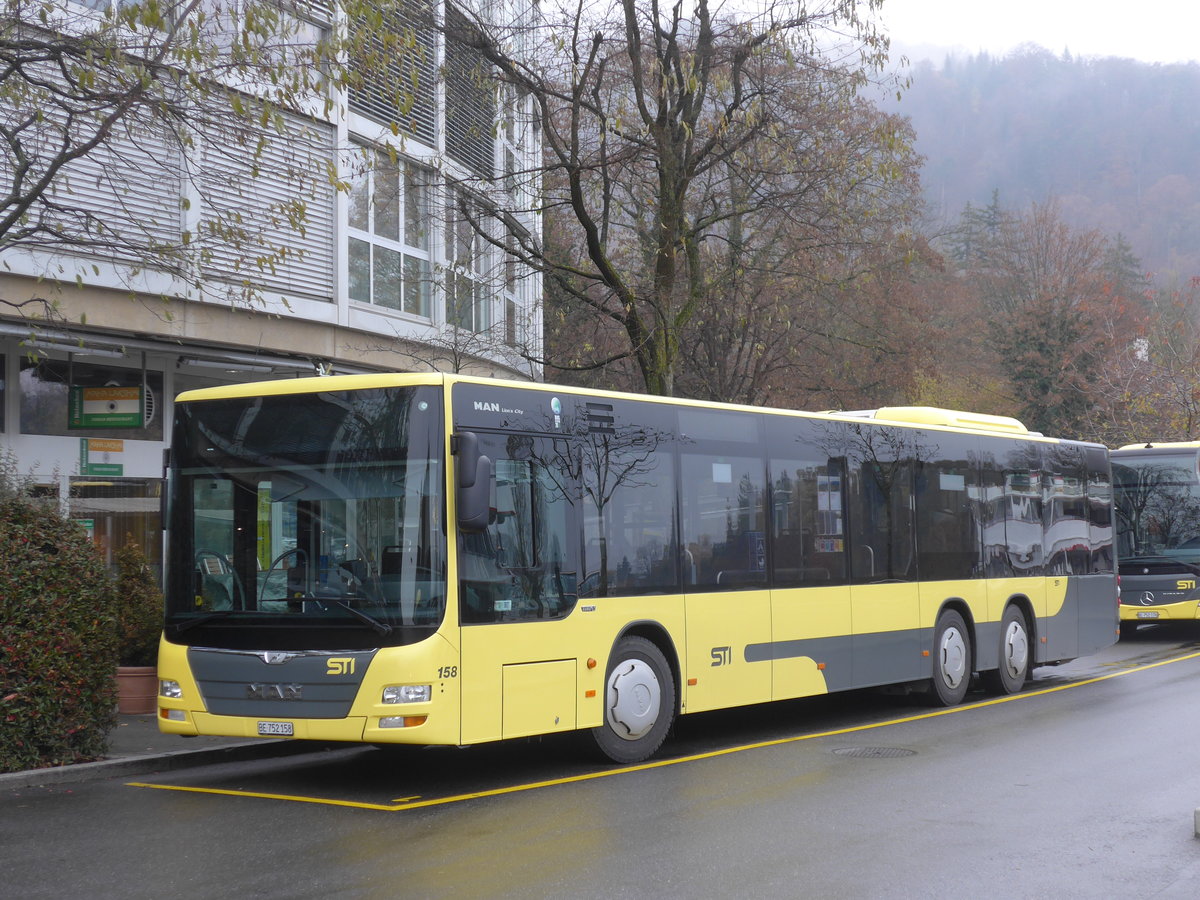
pixel 183 627
pixel 380 627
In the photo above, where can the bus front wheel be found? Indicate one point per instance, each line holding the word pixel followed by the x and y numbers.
pixel 1013 668
pixel 639 702
pixel 951 660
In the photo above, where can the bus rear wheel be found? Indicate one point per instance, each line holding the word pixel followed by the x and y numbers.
pixel 951 660
pixel 1013 669
pixel 639 702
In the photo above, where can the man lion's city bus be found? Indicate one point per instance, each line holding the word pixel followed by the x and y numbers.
pixel 1157 493
pixel 435 559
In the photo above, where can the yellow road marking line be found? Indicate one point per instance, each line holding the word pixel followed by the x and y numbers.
pixel 261 796
pixel 658 764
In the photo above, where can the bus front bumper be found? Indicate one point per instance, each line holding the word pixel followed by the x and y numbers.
pixel 1184 611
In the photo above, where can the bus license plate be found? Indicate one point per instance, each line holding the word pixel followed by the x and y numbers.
pixel 1148 614
pixel 275 729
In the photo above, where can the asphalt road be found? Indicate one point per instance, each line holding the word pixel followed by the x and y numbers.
pixel 1085 785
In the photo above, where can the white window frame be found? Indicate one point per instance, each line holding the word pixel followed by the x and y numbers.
pixel 383 230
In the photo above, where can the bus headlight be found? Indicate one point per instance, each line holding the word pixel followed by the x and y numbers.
pixel 170 689
pixel 407 693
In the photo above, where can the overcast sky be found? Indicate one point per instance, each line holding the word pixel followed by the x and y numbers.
pixel 1155 31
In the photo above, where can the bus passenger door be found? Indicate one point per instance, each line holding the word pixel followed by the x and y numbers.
pixel 810 599
pixel 517 588
pixel 727 599
pixel 884 594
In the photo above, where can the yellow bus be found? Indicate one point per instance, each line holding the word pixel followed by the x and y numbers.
pixel 1157 488
pixel 436 559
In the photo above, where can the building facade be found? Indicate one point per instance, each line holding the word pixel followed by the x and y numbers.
pixel 392 266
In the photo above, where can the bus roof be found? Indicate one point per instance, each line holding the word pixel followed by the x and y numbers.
pixel 310 385
pixel 904 415
pixel 947 418
pixel 1163 445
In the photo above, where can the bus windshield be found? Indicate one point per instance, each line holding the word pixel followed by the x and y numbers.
pixel 1158 510
pixel 311 520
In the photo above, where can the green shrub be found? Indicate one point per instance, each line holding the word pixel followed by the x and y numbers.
pixel 139 608
pixel 58 638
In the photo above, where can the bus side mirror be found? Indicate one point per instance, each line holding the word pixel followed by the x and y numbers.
pixel 474 489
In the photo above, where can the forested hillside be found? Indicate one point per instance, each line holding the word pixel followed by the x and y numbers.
pixel 1115 141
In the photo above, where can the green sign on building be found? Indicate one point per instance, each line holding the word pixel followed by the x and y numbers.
pixel 105 407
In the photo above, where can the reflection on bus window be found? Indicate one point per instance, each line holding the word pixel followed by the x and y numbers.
pixel 520 568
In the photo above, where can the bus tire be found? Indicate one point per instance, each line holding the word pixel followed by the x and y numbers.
pixel 951 660
pixel 1013 668
pixel 639 702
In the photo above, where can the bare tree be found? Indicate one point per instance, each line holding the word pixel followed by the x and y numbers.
pixel 660 123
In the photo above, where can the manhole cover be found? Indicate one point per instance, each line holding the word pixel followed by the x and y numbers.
pixel 874 752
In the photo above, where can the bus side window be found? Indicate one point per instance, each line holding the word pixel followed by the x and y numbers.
pixel 722 515
pixel 807 523
pixel 1022 512
pixel 520 568
pixel 1064 505
pixel 881 521
pixel 1100 504
pixel 949 508
pixel 629 503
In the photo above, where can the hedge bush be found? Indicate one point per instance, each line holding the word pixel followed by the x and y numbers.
pixel 58 638
pixel 139 607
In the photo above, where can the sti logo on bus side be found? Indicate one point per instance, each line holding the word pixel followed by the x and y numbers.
pixel 481 406
pixel 1186 584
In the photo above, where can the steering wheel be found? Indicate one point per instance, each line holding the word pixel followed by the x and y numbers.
pixel 301 560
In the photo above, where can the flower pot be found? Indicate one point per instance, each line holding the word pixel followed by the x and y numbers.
pixel 137 690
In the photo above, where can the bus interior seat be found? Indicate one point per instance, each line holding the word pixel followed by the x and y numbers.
pixel 392 560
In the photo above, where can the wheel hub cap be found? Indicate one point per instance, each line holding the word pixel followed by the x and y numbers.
pixel 952 657
pixel 1016 649
pixel 634 697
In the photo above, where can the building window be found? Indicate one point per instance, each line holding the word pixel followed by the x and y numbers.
pixel 389 233
pixel 89 401
pixel 467 305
